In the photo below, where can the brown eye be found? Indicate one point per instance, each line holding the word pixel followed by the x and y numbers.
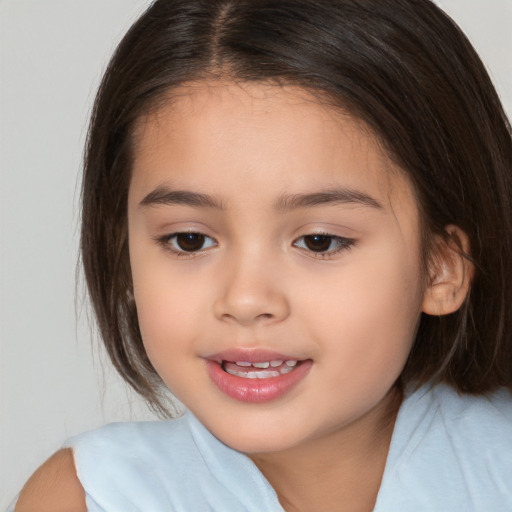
pixel 186 242
pixel 318 243
pixel 324 245
pixel 190 242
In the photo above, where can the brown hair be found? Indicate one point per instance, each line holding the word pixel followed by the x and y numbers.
pixel 401 66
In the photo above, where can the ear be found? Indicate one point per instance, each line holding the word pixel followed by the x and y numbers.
pixel 450 273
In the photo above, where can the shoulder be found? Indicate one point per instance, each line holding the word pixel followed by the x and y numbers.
pixel 450 451
pixel 137 464
pixel 481 422
pixel 54 487
pixel 132 439
pixel 477 415
pixel 95 464
pixel 441 401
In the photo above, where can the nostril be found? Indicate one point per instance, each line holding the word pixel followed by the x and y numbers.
pixel 251 303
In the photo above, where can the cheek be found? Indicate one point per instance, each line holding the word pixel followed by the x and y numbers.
pixel 164 304
pixel 370 311
pixel 166 322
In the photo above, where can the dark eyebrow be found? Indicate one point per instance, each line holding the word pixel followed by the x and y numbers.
pixel 162 195
pixel 337 196
pixel 165 196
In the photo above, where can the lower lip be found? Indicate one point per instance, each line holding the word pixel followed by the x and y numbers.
pixel 256 390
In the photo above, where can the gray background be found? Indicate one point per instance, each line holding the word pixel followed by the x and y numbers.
pixel 54 382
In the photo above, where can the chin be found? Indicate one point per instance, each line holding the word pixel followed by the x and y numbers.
pixel 257 437
pixel 257 444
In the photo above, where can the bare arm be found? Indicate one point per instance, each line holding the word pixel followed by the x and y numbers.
pixel 54 487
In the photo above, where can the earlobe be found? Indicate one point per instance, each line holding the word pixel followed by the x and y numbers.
pixel 450 274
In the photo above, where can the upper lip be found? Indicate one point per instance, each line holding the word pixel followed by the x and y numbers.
pixel 251 355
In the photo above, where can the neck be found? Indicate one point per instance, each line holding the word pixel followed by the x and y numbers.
pixel 340 471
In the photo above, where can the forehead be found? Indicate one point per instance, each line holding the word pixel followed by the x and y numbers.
pixel 276 138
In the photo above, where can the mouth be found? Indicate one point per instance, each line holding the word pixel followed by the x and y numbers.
pixel 256 376
pixel 261 370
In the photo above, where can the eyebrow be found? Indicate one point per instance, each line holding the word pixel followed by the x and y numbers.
pixel 162 195
pixel 165 196
pixel 337 196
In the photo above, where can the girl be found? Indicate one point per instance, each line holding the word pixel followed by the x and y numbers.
pixel 297 218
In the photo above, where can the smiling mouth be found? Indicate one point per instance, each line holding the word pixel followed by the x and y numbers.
pixel 260 370
pixel 266 376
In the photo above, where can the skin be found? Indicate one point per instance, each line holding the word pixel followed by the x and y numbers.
pixel 54 487
pixel 254 284
pixel 351 309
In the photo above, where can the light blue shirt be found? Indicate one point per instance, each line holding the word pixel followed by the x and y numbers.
pixel 448 453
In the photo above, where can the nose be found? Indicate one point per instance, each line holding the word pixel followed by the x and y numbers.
pixel 251 293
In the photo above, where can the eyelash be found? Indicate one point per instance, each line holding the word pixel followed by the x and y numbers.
pixel 166 242
pixel 343 244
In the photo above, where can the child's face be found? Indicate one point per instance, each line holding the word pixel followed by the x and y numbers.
pixel 303 245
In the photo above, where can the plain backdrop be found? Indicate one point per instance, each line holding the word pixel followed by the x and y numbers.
pixel 54 380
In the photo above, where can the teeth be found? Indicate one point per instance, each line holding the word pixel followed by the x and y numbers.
pixel 283 370
pixel 266 364
pixel 261 365
pixel 275 368
pixel 254 375
pixel 266 375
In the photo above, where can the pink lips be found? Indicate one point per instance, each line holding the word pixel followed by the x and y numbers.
pixel 254 390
